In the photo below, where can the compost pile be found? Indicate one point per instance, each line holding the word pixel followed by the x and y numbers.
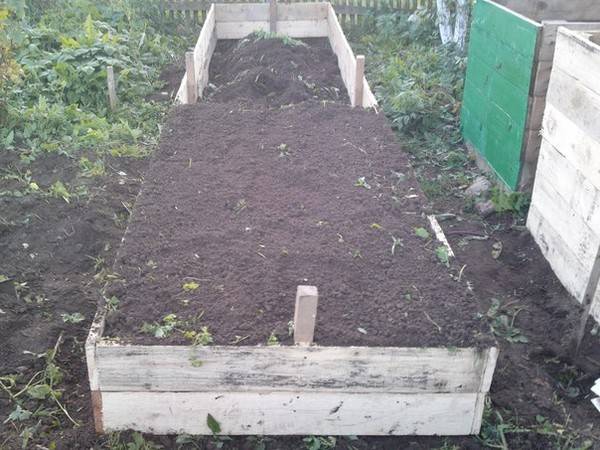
pixel 274 71
pixel 246 200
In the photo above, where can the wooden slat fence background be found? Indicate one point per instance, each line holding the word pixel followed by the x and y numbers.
pixel 349 11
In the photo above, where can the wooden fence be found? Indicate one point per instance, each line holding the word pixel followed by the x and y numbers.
pixel 348 11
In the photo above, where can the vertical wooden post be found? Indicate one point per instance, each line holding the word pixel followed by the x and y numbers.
pixel 305 314
pixel 273 16
pixel 588 298
pixel 358 80
pixel 112 88
pixel 190 72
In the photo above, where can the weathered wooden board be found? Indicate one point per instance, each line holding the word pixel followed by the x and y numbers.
pixel 550 32
pixel 347 61
pixel 259 12
pixel 580 149
pixel 203 51
pixel 349 369
pixel 294 29
pixel 292 413
pixel 579 57
pixel 564 217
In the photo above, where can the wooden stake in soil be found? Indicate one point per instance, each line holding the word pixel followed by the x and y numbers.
pixel 305 314
pixel 273 16
pixel 112 88
pixel 190 72
pixel 358 80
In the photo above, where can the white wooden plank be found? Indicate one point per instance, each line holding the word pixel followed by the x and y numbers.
pixel 576 55
pixel 290 413
pixel 93 337
pixel 203 51
pixel 550 31
pixel 305 314
pixel 565 264
pixel 302 28
pixel 578 193
pixel 239 30
pixel 342 50
pixel 577 235
pixel 302 11
pixel 351 369
pixel 580 149
pixel 439 234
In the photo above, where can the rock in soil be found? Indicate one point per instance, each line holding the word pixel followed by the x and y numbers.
pixel 480 186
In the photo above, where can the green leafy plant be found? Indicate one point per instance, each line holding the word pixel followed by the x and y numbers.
pixel 213 425
pixel 514 202
pixel 362 182
pixel 422 233
pixel 59 190
pixel 163 329
pixel 272 340
pixel 73 318
pixel 319 442
pixel 441 252
pixel 190 286
pixel 502 322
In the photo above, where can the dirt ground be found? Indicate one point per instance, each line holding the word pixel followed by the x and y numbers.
pixel 71 248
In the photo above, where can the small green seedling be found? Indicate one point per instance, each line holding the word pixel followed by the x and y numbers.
pixel 59 190
pixel 169 322
pixel 272 339
pixel 112 304
pixel 73 318
pixel 362 182
pixel 442 255
pixel 422 233
pixel 190 286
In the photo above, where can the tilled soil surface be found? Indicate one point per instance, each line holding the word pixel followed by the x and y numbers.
pixel 244 202
pixel 257 202
pixel 256 71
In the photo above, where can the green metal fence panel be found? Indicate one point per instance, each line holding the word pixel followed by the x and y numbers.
pixel 501 58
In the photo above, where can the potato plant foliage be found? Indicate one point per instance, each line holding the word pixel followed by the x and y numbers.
pixel 53 63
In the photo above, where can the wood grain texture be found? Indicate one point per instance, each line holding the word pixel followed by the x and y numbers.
pixel 564 217
pixel 203 51
pixel 350 369
pixel 291 413
pixel 347 61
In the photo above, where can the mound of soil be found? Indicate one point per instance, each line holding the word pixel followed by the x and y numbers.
pixel 274 72
pixel 262 201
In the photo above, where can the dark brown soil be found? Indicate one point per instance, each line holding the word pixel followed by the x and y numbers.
pixel 257 71
pixel 261 201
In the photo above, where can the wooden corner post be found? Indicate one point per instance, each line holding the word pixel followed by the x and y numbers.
pixel 112 88
pixel 273 16
pixel 305 314
pixel 190 73
pixel 359 80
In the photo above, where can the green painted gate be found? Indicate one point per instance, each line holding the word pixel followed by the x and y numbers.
pixel 502 52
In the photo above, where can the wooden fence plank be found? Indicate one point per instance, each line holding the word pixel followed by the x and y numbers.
pixel 344 8
pixel 259 369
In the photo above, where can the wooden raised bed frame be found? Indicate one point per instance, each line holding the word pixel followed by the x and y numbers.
pixel 285 390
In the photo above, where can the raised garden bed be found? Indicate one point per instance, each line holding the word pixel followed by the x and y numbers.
pixel 272 183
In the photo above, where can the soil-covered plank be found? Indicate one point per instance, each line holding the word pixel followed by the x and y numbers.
pixel 245 201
